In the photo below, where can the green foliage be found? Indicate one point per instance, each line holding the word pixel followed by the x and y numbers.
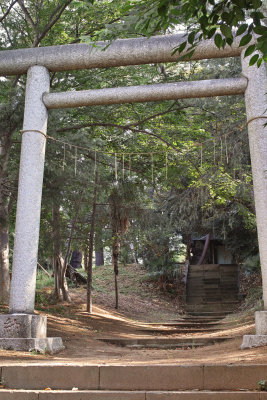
pixel 252 264
pixel 202 20
pixel 43 281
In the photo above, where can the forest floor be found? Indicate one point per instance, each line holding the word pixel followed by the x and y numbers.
pixel 140 303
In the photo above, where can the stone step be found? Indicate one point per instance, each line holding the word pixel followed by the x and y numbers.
pixel 185 324
pixel 174 330
pixel 164 342
pixel 130 395
pixel 211 309
pixel 201 318
pixel 131 377
pixel 192 312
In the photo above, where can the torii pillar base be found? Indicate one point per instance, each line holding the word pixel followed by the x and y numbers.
pixel 260 339
pixel 27 332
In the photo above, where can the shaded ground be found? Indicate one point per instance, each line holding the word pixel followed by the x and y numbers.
pixel 140 303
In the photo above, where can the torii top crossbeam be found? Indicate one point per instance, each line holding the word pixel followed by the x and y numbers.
pixel 121 52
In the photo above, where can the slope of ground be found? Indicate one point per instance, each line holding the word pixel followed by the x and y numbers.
pixel 140 303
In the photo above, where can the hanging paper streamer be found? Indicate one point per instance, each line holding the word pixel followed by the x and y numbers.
pixel 116 167
pixel 130 164
pixel 123 167
pixel 234 166
pixel 226 151
pixel 64 157
pixel 152 167
pixel 214 151
pixel 75 161
pixel 95 163
pixel 166 165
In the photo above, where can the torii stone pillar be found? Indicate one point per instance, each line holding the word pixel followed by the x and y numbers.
pixel 21 329
pixel 256 106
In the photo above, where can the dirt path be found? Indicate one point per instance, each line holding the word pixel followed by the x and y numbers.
pixel 140 303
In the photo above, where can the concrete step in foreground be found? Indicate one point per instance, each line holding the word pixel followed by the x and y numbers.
pixel 133 395
pixel 133 377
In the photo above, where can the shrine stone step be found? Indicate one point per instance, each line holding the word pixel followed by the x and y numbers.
pixel 212 309
pixel 182 329
pixel 129 377
pixel 130 395
pixel 165 342
pixel 183 324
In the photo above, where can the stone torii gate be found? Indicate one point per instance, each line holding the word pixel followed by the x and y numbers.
pixel 21 329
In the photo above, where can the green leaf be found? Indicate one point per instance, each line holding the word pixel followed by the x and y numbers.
pixel 229 41
pixel 182 47
pixel 187 56
pixel 256 3
pixel 226 31
pixel 191 37
pixel 259 62
pixel 253 59
pixel 250 50
pixel 260 30
pixel 239 3
pixel 245 40
pixel 215 19
pixel 203 20
pixel 211 32
pixel 218 40
pixel 226 17
pixel 162 11
pixel 176 11
pixel 242 29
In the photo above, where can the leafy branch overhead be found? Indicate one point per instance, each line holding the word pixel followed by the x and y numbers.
pixel 204 19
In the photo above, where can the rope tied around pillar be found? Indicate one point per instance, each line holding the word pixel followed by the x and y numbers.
pixel 34 130
pixel 252 119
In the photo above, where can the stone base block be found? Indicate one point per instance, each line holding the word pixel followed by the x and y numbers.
pixel 250 341
pixel 23 326
pixel 50 345
pixel 261 322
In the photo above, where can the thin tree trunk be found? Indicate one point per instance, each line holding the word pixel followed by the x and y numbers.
pixel 5 145
pixel 116 291
pixel 91 248
pixel 99 257
pixel 56 248
pixel 63 280
pixel 85 252
pixel 4 264
pixel 115 257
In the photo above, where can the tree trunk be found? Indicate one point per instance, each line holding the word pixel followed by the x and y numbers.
pixel 57 256
pixel 4 220
pixel 116 291
pixel 115 259
pixel 99 250
pixel 4 264
pixel 61 287
pixel 85 255
pixel 99 257
pixel 89 307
